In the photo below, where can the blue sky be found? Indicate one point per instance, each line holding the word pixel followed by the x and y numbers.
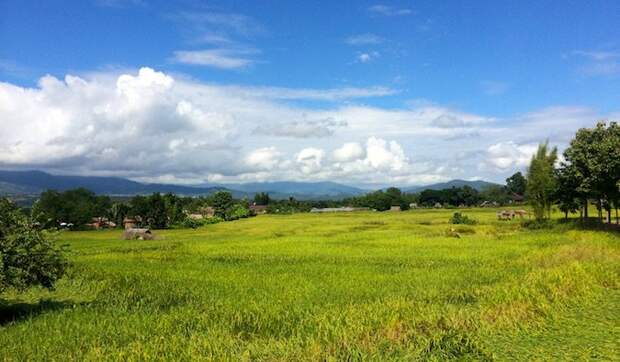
pixel 472 85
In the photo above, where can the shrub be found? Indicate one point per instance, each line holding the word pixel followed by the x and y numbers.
pixel 537 224
pixel 459 218
pixel 238 211
pixel 212 220
pixel 27 257
pixel 190 223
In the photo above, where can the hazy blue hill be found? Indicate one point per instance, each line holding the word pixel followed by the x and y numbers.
pixel 37 181
pixel 478 185
pixel 34 182
pixel 7 188
pixel 299 188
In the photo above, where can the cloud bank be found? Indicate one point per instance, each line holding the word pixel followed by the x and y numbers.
pixel 149 125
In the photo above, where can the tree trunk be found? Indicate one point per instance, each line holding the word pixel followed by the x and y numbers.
pixel 585 209
pixel 609 215
pixel 566 215
pixel 600 211
pixel 617 222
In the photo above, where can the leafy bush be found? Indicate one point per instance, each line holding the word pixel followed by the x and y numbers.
pixel 238 211
pixel 459 218
pixel 537 224
pixel 190 223
pixel 27 257
pixel 212 220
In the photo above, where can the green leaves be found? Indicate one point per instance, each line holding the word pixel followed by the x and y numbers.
pixel 541 182
pixel 27 257
pixel 592 165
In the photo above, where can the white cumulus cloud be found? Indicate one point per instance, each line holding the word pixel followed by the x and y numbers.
pixel 149 125
pixel 310 160
pixel 510 155
pixel 349 151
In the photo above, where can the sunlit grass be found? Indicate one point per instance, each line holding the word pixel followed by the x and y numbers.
pixel 314 287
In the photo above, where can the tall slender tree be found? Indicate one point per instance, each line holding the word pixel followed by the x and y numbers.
pixel 541 182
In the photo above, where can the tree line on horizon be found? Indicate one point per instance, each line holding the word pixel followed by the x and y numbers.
pixel 78 207
pixel 588 174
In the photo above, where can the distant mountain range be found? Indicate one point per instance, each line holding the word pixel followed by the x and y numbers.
pixel 477 184
pixel 313 189
pixel 37 181
pixel 19 183
pixel 34 182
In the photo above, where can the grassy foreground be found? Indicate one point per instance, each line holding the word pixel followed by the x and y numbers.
pixel 361 286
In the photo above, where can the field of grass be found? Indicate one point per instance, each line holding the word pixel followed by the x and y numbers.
pixel 357 286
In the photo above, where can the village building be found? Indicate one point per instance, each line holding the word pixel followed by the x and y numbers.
pixel 130 223
pixel 516 198
pixel 207 211
pixel 489 204
pixel 258 209
pixel 101 223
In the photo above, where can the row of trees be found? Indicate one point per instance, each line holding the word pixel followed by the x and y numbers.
pixel 455 196
pixel 80 206
pixel 382 200
pixel 589 173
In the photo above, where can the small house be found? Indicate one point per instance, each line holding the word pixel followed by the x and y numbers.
pixel 258 209
pixel 413 205
pixel 516 198
pixel 208 211
pixel 129 223
pixel 395 208
pixel 101 223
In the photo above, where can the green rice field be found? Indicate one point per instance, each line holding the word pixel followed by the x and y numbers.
pixel 328 287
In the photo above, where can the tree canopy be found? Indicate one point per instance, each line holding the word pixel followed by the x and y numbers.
pixel 516 184
pixel 592 166
pixel 541 182
pixel 27 257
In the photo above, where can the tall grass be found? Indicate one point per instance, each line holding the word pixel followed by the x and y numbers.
pixel 370 286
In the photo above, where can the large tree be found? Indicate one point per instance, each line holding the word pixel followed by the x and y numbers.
pixel 594 161
pixel 261 198
pixel 27 257
pixel 222 204
pixel 541 182
pixel 567 193
pixel 516 184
